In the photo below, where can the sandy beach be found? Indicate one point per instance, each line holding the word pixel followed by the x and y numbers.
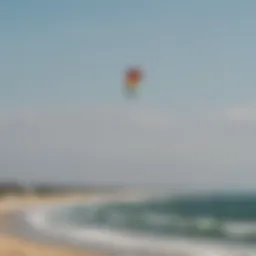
pixel 16 246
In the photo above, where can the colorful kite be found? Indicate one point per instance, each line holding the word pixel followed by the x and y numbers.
pixel 133 78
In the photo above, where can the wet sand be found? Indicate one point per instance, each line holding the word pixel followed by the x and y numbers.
pixel 11 245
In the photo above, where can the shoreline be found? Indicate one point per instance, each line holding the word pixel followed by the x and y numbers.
pixel 15 242
pixel 21 237
pixel 33 230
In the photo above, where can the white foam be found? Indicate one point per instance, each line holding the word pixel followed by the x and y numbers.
pixel 39 218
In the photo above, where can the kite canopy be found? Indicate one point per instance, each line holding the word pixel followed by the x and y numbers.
pixel 133 78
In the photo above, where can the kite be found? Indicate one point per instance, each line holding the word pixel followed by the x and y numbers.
pixel 133 78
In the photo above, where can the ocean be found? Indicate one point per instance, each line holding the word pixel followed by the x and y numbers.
pixel 199 224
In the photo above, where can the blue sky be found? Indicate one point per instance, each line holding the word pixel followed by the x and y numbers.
pixel 60 57
pixel 74 52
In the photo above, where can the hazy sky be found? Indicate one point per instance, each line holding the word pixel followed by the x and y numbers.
pixel 63 115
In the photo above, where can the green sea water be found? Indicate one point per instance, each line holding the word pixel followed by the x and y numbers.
pixel 223 217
